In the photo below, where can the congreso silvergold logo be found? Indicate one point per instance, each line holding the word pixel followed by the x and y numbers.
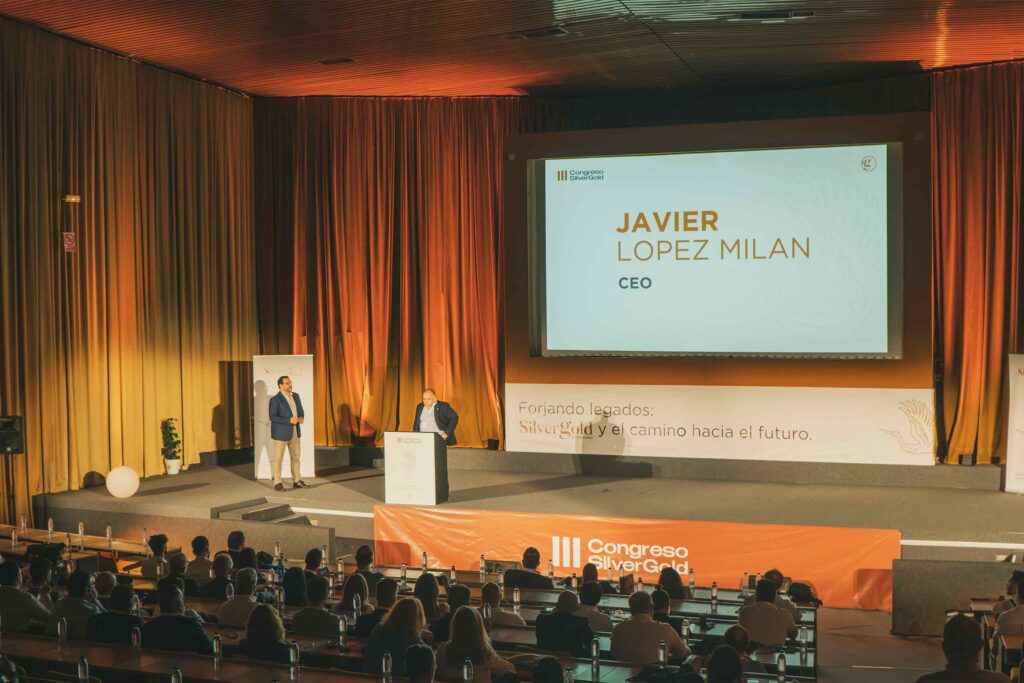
pixel 579 175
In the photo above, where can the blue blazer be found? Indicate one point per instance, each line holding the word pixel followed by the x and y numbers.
pixel 445 417
pixel 281 415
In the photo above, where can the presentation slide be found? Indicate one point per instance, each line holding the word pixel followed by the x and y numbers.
pixel 761 252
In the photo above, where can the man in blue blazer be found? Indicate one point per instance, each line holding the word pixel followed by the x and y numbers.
pixel 286 418
pixel 436 416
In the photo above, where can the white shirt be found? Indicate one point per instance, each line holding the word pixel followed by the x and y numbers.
pixel 236 611
pixel 501 617
pixel 19 609
pixel 1011 621
pixel 767 624
pixel 599 621
pixel 291 404
pixel 636 640
pixel 428 423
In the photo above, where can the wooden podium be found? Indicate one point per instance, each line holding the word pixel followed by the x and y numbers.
pixel 415 468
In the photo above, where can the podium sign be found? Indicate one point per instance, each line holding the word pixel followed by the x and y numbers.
pixel 265 371
pixel 1015 428
pixel 415 468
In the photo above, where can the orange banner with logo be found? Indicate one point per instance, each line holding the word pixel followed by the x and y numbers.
pixel 848 567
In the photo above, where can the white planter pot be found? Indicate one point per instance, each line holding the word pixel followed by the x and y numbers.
pixel 173 466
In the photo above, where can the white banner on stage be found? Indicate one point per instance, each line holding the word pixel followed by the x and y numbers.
pixel 265 372
pixel 1015 427
pixel 801 424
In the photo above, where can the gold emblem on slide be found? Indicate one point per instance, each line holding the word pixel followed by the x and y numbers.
pixel 921 421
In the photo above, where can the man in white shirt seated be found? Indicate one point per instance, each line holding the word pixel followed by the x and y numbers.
pixel 765 623
pixel 1011 621
pixel 315 620
pixel 776 577
pixel 590 596
pixel 80 604
pixel 636 639
pixel 490 594
pixel 235 612
pixel 155 567
pixel 18 609
pixel 961 643
pixel 199 568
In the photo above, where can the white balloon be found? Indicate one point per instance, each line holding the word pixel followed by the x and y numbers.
pixel 122 482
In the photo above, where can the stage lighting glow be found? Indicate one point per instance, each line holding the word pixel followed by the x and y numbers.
pixel 122 482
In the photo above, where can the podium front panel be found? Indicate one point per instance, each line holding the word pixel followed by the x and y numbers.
pixel 411 475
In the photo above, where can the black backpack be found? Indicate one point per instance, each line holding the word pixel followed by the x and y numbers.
pixel 802 593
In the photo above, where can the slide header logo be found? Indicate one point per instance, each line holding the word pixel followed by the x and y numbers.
pixel 575 175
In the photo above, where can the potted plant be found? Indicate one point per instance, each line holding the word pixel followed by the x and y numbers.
pixel 172 446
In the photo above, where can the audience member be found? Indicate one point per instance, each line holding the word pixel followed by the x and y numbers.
pixel 355 585
pixel 636 639
pixel 105 583
pixel 387 592
pixel 199 567
pixel 177 565
pixel 458 595
pixel 18 610
pixel 736 637
pixel 314 562
pixel 364 567
pixel 428 592
pixel 662 605
pixel 724 665
pixel 765 623
pixel 295 587
pixel 315 620
pixel 776 577
pixel 961 643
pixel 174 630
pixel 264 637
pixel 235 612
pixel 76 608
pixel 590 597
pixel 401 628
pixel 547 670
pixel 672 583
pixel 217 587
pixel 247 560
pixel 236 544
pixel 528 576
pixel 469 640
pixel 41 573
pixel 590 574
pixel 1011 621
pixel 420 664
pixel 155 566
pixel 116 624
pixel 490 594
pixel 563 631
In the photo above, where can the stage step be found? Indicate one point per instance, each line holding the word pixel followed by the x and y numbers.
pixel 260 512
pixel 302 520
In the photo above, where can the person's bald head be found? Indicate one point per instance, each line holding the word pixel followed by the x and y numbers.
pixel 429 397
pixel 567 602
pixel 961 639
pixel 640 603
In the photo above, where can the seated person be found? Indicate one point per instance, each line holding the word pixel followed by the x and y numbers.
pixel 547 670
pixel 766 624
pixel 636 639
pixel 387 592
pixel 736 638
pixel 420 665
pixel 355 585
pixel 18 609
pixel 776 577
pixel 177 569
pixel 590 597
pixel 469 640
pixel 173 630
pixel 116 624
pixel 528 576
pixel 155 567
pixel 200 566
pixel 76 608
pixel 401 628
pixel 961 643
pixel 490 594
pixel 458 595
pixel 264 637
pixel 236 544
pixel 315 620
pixel 724 666
pixel 590 574
pixel 364 566
pixel 217 587
pixel 314 562
pixel 235 612
pixel 563 631
pixel 428 592
pixel 662 604
pixel 1011 621
pixel 295 587
pixel 105 582
pixel 672 583
pixel 41 573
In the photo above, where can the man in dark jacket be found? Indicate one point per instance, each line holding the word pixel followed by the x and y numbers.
pixel 115 625
pixel 563 631
pixel 387 592
pixel 172 630
pixel 458 595
pixel 528 576
pixel 436 416
pixel 286 419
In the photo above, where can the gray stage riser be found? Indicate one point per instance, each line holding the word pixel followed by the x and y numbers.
pixel 922 591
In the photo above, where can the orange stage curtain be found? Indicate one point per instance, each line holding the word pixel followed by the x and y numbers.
pixel 978 124
pixel 154 315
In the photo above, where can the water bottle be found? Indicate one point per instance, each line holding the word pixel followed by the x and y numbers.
pixel 551 569
pixel 277 548
pixel 159 570
pixel 136 605
pixel 640 585
pixel 467 670
pixel 83 670
pixel 145 540
pixel 385 665
pixel 501 582
pixel 516 597
pixel 693 580
pixel 780 668
pixel 213 574
pixel 357 606
pixel 279 570
pixel 218 646
pixel 662 653
pixel 608 573
pixel 24 524
pixel 453 577
pixel 14 538
pixel 176 676
pixel 323 554
pixel 341 568
pixel 229 591
pixel 137 639
pixel 405 571
pixel 49 529
pixel 62 632
pixel 743 584
pixel 595 652
pixel 684 631
pixel 424 561
pixel 110 536
pixel 569 675
pixel 342 630
pixel 572 582
pixel 483 569
pixel 330 585
pixel 714 597
pixel 81 535
pixel 293 653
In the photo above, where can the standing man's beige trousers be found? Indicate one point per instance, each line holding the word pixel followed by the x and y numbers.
pixel 277 455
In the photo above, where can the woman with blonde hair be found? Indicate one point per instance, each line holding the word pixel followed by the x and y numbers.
pixel 428 591
pixel 469 640
pixel 355 585
pixel 401 628
pixel 264 636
